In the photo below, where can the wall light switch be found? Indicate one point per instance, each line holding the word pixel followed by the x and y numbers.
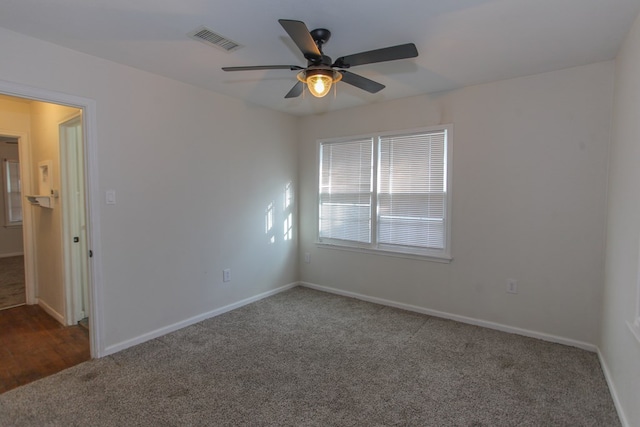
pixel 111 197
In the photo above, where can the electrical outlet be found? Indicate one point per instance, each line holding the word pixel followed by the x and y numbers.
pixel 226 275
pixel 512 286
pixel 307 257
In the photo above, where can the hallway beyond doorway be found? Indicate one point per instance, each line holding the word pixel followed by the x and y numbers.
pixel 33 345
pixel 12 290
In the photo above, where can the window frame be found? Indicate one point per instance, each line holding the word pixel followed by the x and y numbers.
pixel 438 255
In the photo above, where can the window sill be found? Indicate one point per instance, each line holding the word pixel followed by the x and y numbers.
pixel 635 328
pixel 13 226
pixel 405 255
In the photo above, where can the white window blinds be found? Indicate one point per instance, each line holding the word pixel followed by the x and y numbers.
pixel 412 190
pixel 387 192
pixel 345 190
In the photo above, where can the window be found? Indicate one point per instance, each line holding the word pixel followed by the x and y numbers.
pixel 12 193
pixel 387 192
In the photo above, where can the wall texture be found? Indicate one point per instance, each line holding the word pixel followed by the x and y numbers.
pixel 620 350
pixel 529 183
pixel 194 173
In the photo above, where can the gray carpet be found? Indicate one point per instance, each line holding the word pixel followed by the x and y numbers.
pixel 307 358
pixel 12 292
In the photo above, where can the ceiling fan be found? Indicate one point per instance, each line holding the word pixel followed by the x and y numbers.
pixel 320 72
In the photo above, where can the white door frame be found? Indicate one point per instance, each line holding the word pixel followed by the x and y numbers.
pixel 88 107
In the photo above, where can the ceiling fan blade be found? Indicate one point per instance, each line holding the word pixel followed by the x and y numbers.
pixel 263 67
pixel 379 55
pixel 295 91
pixel 299 33
pixel 361 82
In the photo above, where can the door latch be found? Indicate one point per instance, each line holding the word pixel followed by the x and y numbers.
pixel 76 239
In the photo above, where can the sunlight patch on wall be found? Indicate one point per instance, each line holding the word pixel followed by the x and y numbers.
pixel 288 212
pixel 268 220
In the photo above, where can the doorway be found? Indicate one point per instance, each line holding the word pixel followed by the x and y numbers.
pixel 12 280
pixel 36 337
pixel 50 140
pixel 87 107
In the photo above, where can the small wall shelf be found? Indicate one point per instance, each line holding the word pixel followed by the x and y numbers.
pixel 42 201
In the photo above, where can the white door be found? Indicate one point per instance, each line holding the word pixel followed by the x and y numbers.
pixel 74 220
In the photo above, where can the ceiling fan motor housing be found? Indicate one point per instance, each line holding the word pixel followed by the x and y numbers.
pixel 324 60
pixel 320 36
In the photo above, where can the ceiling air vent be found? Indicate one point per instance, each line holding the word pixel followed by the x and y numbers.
pixel 211 38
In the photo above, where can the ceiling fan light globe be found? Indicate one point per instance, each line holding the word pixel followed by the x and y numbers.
pixel 319 80
pixel 319 85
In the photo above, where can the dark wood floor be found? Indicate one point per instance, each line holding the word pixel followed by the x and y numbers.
pixel 33 345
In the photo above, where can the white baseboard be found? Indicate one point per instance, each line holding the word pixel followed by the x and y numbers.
pixel 612 390
pixel 50 311
pixel 10 254
pixel 192 320
pixel 456 317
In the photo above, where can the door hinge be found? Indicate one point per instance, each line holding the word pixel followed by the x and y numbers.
pixel 90 253
pixel 76 239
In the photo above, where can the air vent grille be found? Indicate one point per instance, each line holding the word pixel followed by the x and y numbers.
pixel 212 38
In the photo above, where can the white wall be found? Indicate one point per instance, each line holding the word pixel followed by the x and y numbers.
pixel 194 172
pixel 620 350
pixel 14 117
pixel 529 183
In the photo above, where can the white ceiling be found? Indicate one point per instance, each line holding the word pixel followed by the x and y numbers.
pixel 461 42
